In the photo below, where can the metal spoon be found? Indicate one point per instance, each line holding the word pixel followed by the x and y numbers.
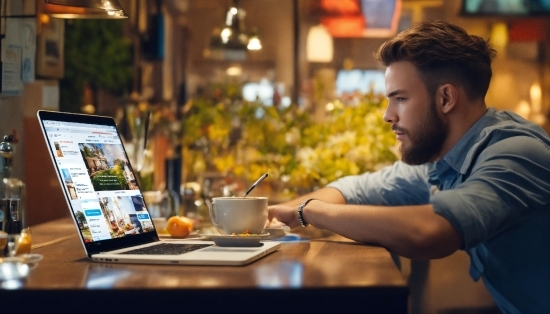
pixel 254 185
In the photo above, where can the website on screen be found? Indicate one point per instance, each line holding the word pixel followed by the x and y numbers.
pixel 99 180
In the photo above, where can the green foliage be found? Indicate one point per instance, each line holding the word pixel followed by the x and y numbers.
pixel 286 142
pixel 96 53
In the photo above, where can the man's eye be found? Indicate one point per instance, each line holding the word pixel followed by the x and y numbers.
pixel 399 98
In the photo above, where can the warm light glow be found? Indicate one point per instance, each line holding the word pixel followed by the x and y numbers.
pixel 329 106
pixel 225 34
pixel 229 18
pixel 70 12
pixel 115 13
pixel 88 109
pixel 499 35
pixel 535 93
pixel 539 119
pixel 234 71
pixel 44 19
pixel 254 43
pixel 319 44
pixel 523 109
pixel 106 5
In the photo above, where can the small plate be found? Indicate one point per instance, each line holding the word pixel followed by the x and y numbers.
pixel 32 258
pixel 237 241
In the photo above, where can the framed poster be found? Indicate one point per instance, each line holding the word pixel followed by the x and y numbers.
pixel 361 18
pixel 49 50
pixel 381 16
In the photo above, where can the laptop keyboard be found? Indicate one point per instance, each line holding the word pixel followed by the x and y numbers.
pixel 167 249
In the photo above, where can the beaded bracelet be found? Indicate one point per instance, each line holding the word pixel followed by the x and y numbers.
pixel 303 223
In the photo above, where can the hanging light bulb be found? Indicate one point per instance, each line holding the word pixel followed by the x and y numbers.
pixel 231 35
pixel 225 34
pixel 231 41
pixel 231 13
pixel 254 42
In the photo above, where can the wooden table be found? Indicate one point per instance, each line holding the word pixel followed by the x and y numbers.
pixel 320 275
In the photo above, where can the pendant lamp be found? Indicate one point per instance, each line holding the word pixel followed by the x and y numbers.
pixel 320 47
pixel 232 42
pixel 84 9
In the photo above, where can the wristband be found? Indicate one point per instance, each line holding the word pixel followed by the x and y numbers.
pixel 303 223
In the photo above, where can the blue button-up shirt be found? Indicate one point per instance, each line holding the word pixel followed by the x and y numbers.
pixel 493 186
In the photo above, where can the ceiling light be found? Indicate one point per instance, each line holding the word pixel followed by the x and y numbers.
pixel 319 45
pixel 225 34
pixel 84 9
pixel 254 42
pixel 231 42
pixel 234 71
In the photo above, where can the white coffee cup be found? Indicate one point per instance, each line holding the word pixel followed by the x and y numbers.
pixel 239 214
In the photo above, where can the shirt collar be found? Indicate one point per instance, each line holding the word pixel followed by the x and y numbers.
pixel 456 157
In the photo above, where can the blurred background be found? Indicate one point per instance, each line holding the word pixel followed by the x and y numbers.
pixel 211 94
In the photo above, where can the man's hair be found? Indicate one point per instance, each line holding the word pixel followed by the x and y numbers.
pixel 443 53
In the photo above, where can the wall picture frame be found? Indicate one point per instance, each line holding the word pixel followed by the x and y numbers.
pixel 50 49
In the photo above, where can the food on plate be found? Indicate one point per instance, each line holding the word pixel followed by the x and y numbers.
pixel 179 226
pixel 245 233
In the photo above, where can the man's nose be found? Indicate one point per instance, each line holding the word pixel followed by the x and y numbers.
pixel 389 115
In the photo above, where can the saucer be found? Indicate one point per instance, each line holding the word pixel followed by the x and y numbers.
pixel 237 241
pixel 30 259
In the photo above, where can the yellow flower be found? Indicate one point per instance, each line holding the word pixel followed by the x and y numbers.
pixel 288 144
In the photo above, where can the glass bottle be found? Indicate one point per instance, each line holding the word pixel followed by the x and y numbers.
pixel 6 154
pixel 14 196
pixel 12 190
pixel 171 199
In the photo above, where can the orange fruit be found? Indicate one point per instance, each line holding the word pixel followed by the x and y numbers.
pixel 3 241
pixel 179 226
pixel 24 244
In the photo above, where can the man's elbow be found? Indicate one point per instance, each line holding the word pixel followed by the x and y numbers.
pixel 435 242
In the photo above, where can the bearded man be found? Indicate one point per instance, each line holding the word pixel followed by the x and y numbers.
pixel 471 178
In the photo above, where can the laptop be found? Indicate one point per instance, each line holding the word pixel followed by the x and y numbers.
pixel 107 205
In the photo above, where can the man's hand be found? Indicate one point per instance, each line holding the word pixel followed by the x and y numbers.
pixel 282 215
pixel 287 213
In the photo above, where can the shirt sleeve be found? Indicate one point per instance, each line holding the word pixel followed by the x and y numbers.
pixel 509 181
pixel 395 185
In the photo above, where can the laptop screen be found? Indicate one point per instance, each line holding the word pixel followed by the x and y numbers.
pixel 98 180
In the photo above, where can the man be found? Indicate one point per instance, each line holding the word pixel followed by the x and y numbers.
pixel 470 178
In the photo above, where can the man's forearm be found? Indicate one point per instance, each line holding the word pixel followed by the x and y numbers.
pixel 329 195
pixel 411 231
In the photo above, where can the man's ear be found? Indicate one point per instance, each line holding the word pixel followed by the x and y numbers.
pixel 446 97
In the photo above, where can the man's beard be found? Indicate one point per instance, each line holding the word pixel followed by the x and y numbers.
pixel 426 139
